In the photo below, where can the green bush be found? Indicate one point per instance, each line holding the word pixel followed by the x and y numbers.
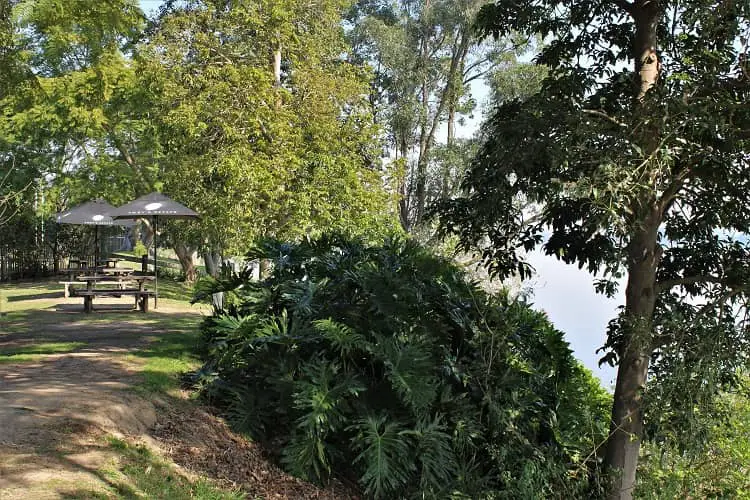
pixel 139 250
pixel 383 364
pixel 718 468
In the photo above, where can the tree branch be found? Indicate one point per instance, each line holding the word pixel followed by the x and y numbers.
pixel 733 292
pixel 674 187
pixel 624 5
pixel 120 146
pixel 662 286
pixel 602 114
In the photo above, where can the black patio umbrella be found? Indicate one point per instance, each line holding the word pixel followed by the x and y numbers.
pixel 156 206
pixel 93 213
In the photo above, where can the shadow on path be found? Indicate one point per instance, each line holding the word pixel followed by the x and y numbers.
pixel 46 401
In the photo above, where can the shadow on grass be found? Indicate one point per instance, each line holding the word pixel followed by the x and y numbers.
pixel 134 471
pixel 35 351
pixel 110 329
pixel 36 296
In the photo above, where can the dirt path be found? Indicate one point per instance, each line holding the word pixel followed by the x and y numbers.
pixel 60 412
pixel 54 409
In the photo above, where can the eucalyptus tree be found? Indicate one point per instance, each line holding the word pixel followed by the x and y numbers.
pixel 424 56
pixel 636 153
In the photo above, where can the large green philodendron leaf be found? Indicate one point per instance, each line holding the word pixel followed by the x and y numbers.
pixel 386 454
pixel 410 371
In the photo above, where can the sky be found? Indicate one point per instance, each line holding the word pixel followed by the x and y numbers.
pixel 563 291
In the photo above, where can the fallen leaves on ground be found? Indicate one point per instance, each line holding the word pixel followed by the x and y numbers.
pixel 203 444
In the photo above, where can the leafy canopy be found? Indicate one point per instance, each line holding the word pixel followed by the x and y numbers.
pixel 597 163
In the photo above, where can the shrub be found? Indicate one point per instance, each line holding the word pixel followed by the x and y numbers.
pixel 718 467
pixel 139 250
pixel 384 364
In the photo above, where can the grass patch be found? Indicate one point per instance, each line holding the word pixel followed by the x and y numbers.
pixel 141 474
pixel 165 359
pixel 170 289
pixel 34 352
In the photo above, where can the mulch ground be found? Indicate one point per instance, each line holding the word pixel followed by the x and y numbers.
pixel 203 444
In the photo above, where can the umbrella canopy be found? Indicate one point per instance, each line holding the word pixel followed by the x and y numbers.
pixel 93 213
pixel 156 206
pixel 153 205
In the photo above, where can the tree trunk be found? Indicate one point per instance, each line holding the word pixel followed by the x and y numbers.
pixel 644 51
pixel 447 97
pixel 403 202
pixel 644 254
pixel 185 256
pixel 277 67
pixel 264 268
pixel 621 458
pixel 421 187
pixel 451 123
pixel 212 260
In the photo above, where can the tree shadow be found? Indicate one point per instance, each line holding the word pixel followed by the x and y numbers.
pixel 37 296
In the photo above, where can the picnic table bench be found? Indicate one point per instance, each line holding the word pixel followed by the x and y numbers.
pixel 141 297
pixel 68 290
pixel 141 294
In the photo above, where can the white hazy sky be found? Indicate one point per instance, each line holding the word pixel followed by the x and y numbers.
pixel 563 291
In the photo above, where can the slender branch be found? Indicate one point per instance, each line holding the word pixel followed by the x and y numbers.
pixel 723 298
pixel 689 280
pixel 120 146
pixel 674 187
pixel 602 114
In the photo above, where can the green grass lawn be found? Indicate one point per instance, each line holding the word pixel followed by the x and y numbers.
pixel 163 361
pixel 160 362
pixel 34 295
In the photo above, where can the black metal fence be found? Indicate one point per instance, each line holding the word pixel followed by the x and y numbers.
pixel 42 250
pixel 28 263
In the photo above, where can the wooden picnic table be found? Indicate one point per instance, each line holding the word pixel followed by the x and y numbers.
pixel 114 271
pixel 74 273
pixel 94 278
pixel 141 294
pixel 109 263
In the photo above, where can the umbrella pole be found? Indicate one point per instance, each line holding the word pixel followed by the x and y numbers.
pixel 156 269
pixel 96 247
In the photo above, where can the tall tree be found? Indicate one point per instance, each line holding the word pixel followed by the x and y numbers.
pixel 248 113
pixel 635 150
pixel 262 124
pixel 424 55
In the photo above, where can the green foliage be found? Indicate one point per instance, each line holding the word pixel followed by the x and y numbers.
pixel 139 250
pixel 384 456
pixel 720 468
pixel 631 162
pixel 193 109
pixel 424 56
pixel 255 156
pixel 385 364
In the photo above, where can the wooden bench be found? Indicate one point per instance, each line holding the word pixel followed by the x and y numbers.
pixel 141 297
pixel 67 286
